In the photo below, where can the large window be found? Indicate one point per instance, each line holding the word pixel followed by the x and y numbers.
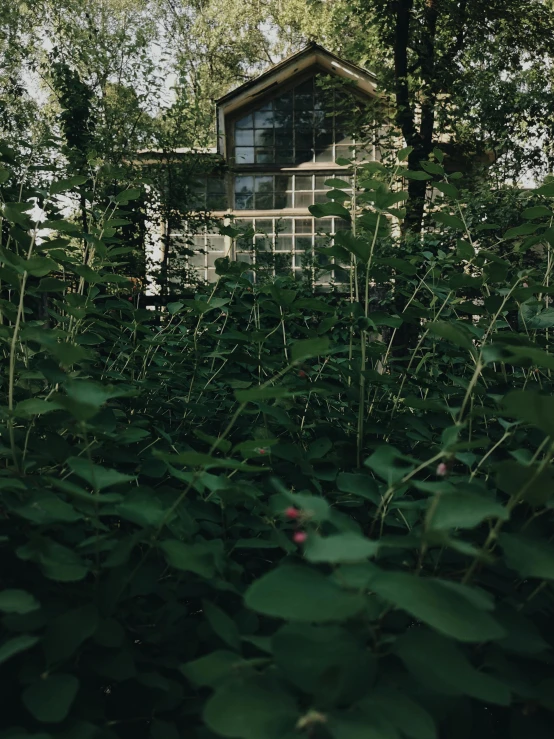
pixel 274 192
pixel 290 245
pixel 297 127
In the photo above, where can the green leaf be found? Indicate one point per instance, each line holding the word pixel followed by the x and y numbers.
pixel 411 175
pixel 18 601
pixel 337 548
pixel 65 634
pixel 525 230
pixel 17 644
pixel 450 610
pixel 250 708
pixel 98 477
pixel 432 168
pixel 49 699
pixel 56 561
pixel 261 393
pixel 465 510
pixel 449 220
pixel 451 332
pixel 308 348
pixel 447 189
pixel 301 594
pixel 547 190
pixel 322 210
pixel 442 667
pixel 403 154
pixel 464 249
pixel 403 712
pixel 198 558
pixel 68 184
pixel 329 662
pixel 538 211
pixel 126 195
pixel 527 482
pixel 530 557
pixel 360 485
pixel 222 624
pixel 213 668
pixel 531 407
pixel 336 182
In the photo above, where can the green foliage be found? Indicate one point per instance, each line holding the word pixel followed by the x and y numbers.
pixel 264 513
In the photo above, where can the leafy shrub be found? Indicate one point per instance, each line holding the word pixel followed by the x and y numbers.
pixel 259 515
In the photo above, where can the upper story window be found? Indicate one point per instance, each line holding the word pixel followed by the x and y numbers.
pixel 300 126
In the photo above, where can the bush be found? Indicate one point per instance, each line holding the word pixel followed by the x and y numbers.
pixel 259 514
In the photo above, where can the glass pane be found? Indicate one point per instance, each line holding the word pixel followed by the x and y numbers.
pixel 303 138
pixel 283 243
pixel 341 225
pixel 264 184
pixel 320 180
pixel 217 202
pixel 303 225
pixel 216 242
pixel 341 275
pixel 265 225
pixel 244 184
pixel 264 156
pixel 263 119
pixel 283 182
pixel 244 154
pixel 246 122
pixel 244 257
pixel 284 156
pixel 283 200
pixel 303 182
pixel 284 140
pixel 344 152
pixel 283 102
pixel 244 202
pixel 320 197
pixel 283 226
pixel 264 137
pixel 264 201
pixel 323 225
pixel 303 243
pixel 262 243
pixel 244 137
pixel 303 155
pixel 303 199
pixel 283 263
pixel 324 155
pixel 299 260
pixel 216 184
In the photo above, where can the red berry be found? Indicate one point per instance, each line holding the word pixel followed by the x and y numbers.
pixel 442 470
pixel 301 373
pixel 292 512
pixel 300 537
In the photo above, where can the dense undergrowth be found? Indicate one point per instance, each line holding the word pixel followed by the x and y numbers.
pixel 266 513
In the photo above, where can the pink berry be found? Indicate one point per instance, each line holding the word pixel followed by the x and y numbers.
pixel 442 470
pixel 300 537
pixel 292 512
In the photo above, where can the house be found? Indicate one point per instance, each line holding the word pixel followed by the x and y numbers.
pixel 280 137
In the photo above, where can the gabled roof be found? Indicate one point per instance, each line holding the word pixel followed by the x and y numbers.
pixel 313 55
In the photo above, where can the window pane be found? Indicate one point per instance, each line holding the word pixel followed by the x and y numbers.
pixel 244 154
pixel 303 155
pixel 303 225
pixel 284 140
pixel 244 137
pixel 303 182
pixel 265 225
pixel 264 137
pixel 284 156
pixel 283 226
pixel 264 201
pixel 324 155
pixel 303 199
pixel 262 243
pixel 303 243
pixel 244 184
pixel 264 156
pixel 283 182
pixel 283 200
pixel 246 122
pixel 264 184
pixel 283 102
pixel 323 225
pixel 283 243
pixel 263 119
pixel 244 202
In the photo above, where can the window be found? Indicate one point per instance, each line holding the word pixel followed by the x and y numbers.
pixel 275 192
pixel 290 245
pixel 207 247
pixel 209 192
pixel 297 127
